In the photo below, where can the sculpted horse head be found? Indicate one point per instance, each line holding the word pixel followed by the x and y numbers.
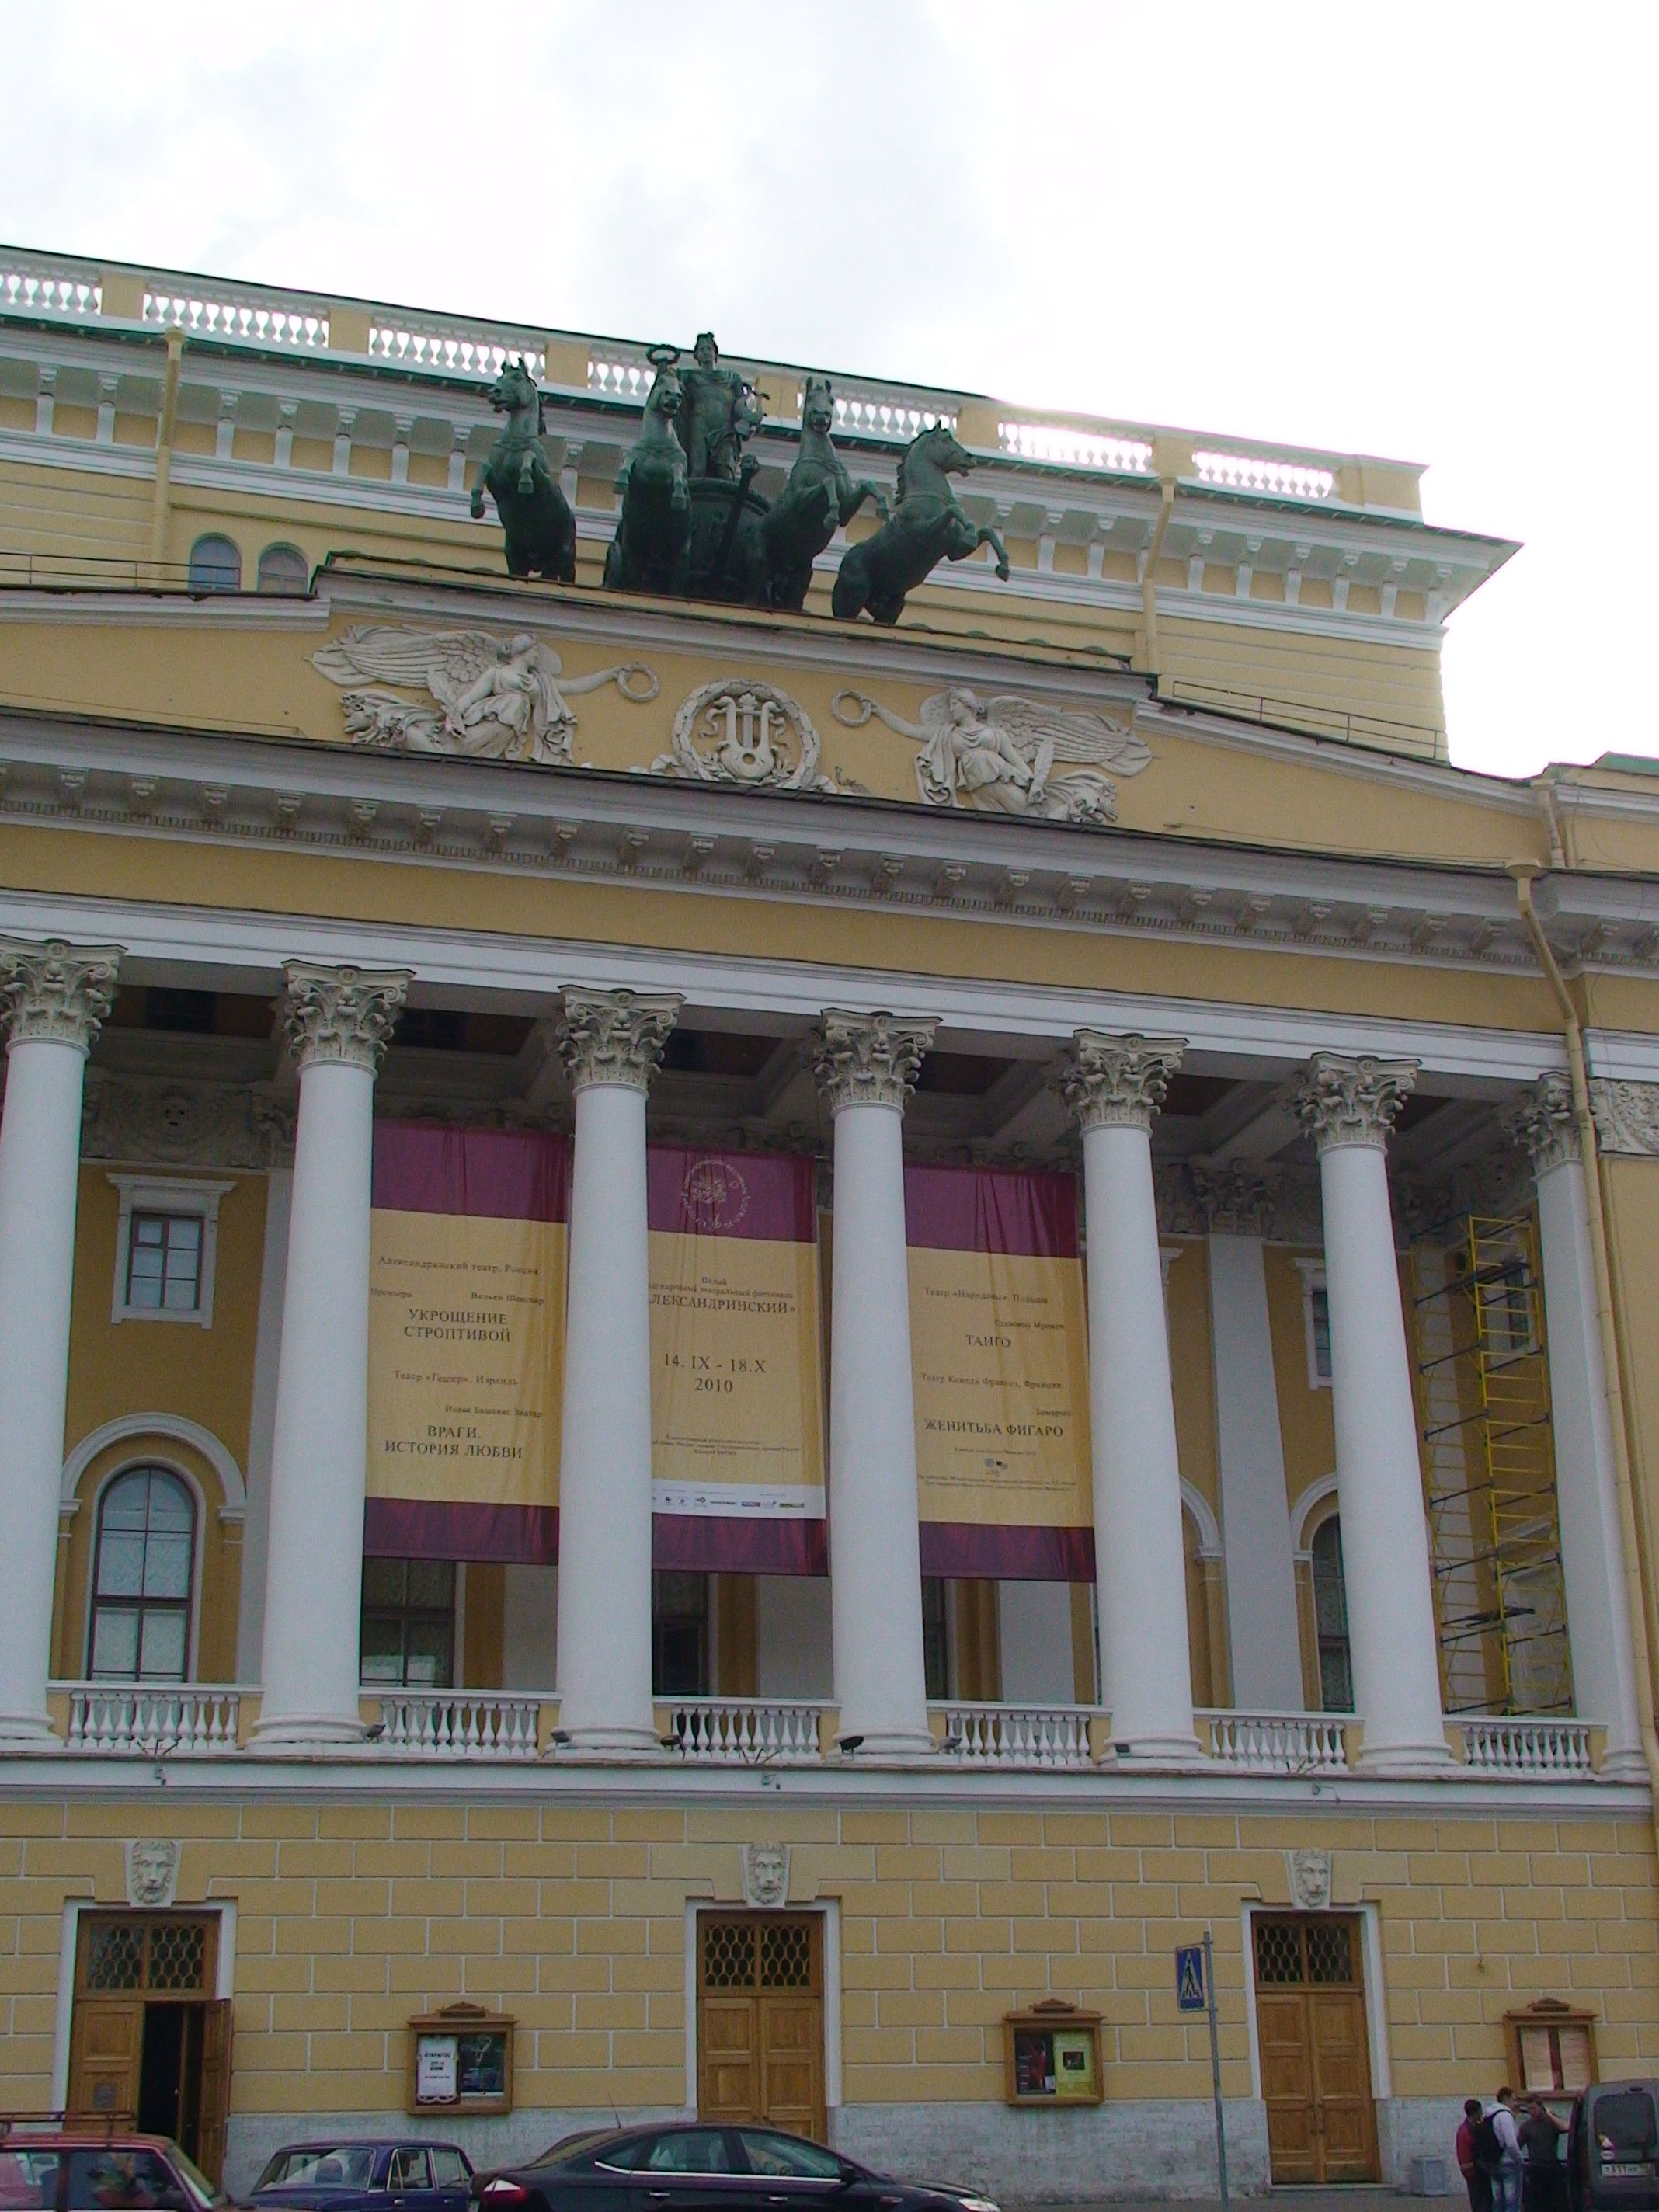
pixel 514 393
pixel 663 401
pixel 817 414
pixel 934 454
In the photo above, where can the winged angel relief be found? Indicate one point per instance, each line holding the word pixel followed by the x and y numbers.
pixel 1010 756
pixel 488 697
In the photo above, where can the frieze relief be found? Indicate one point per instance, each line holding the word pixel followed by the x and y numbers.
pixel 165 1123
pixel 736 730
pixel 1627 1116
pixel 478 695
pixel 1009 755
pixel 1278 1203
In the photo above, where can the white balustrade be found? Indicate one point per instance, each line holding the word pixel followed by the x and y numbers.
pixel 143 1720
pixel 454 346
pixel 619 377
pixel 459 1724
pixel 31 286
pixel 746 1731
pixel 1277 1743
pixel 1286 479
pixel 1075 448
pixel 1537 1747
pixel 887 414
pixel 241 315
pixel 1017 1735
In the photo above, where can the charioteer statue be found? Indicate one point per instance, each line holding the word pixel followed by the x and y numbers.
pixel 692 524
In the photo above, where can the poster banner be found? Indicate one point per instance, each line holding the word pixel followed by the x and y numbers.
pixel 465 1342
pixel 1000 1351
pixel 737 1387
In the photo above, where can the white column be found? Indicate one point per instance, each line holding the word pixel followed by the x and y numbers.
pixel 1587 1503
pixel 1256 1515
pixel 1348 1107
pixel 612 1042
pixel 865 1064
pixel 262 1424
pixel 338 1020
pixel 55 995
pixel 1113 1084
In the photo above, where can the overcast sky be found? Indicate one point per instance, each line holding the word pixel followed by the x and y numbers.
pixel 1427 234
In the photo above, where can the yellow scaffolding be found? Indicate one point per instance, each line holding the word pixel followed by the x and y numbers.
pixel 1489 1469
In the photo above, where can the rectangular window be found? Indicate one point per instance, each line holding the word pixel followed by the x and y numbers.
pixel 408 1639
pixel 1320 1314
pixel 164 1263
pixel 936 1638
pixel 679 1635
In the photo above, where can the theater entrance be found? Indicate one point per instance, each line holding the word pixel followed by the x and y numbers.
pixel 148 2038
pixel 760 2019
pixel 1316 2057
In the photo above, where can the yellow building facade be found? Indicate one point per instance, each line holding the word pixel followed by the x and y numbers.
pixel 743 1340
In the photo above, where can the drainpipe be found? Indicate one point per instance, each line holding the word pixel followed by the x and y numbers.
pixel 1544 793
pixel 1637 1568
pixel 164 429
pixel 1166 497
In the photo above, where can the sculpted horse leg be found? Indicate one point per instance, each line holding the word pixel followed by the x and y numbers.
pixel 989 538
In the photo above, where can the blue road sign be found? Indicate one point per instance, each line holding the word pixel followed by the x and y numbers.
pixel 1189 1978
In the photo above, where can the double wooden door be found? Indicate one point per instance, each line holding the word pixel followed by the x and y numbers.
pixel 760 2020
pixel 1316 2061
pixel 149 2041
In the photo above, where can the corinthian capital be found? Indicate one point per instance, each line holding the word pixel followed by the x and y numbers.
pixel 54 993
pixel 616 1037
pixel 1542 1122
pixel 1118 1082
pixel 867 1059
pixel 342 1014
pixel 1353 1102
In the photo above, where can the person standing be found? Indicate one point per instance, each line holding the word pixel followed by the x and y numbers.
pixel 1544 2181
pixel 1477 2176
pixel 1506 2182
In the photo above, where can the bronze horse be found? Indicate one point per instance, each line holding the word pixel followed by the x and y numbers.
pixel 536 516
pixel 819 498
pixel 928 527
pixel 649 546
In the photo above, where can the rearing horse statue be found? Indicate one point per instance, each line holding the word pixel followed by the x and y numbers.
pixel 541 531
pixel 819 498
pixel 649 546
pixel 929 527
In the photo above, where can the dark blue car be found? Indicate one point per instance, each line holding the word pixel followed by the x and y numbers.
pixel 372 2176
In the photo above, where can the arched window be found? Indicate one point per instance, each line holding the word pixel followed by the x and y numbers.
pixel 1331 1618
pixel 142 1573
pixel 215 565
pixel 283 568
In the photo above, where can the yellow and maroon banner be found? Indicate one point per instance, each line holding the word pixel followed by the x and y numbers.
pixel 737 1391
pixel 465 1342
pixel 1000 1353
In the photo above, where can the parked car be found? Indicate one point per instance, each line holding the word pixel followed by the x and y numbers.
pixel 1613 2148
pixel 367 2175
pixel 695 2167
pixel 56 2162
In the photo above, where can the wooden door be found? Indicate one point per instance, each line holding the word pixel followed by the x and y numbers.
pixel 1316 2062
pixel 760 2020
pixel 214 2103
pixel 106 2049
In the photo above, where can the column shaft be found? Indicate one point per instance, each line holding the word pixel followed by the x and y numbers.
pixel 1349 1105
pixel 1114 1085
pixel 57 995
pixel 1587 1503
pixel 612 1042
pixel 865 1066
pixel 338 1021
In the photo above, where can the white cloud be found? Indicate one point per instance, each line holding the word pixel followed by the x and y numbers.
pixel 1427 235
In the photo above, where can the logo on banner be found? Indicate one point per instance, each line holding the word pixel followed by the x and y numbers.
pixel 715 1196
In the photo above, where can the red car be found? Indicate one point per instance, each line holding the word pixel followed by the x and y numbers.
pixel 65 2162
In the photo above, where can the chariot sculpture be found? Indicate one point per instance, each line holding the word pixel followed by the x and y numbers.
pixel 692 523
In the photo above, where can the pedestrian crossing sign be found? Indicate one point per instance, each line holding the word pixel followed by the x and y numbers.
pixel 1189 1978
